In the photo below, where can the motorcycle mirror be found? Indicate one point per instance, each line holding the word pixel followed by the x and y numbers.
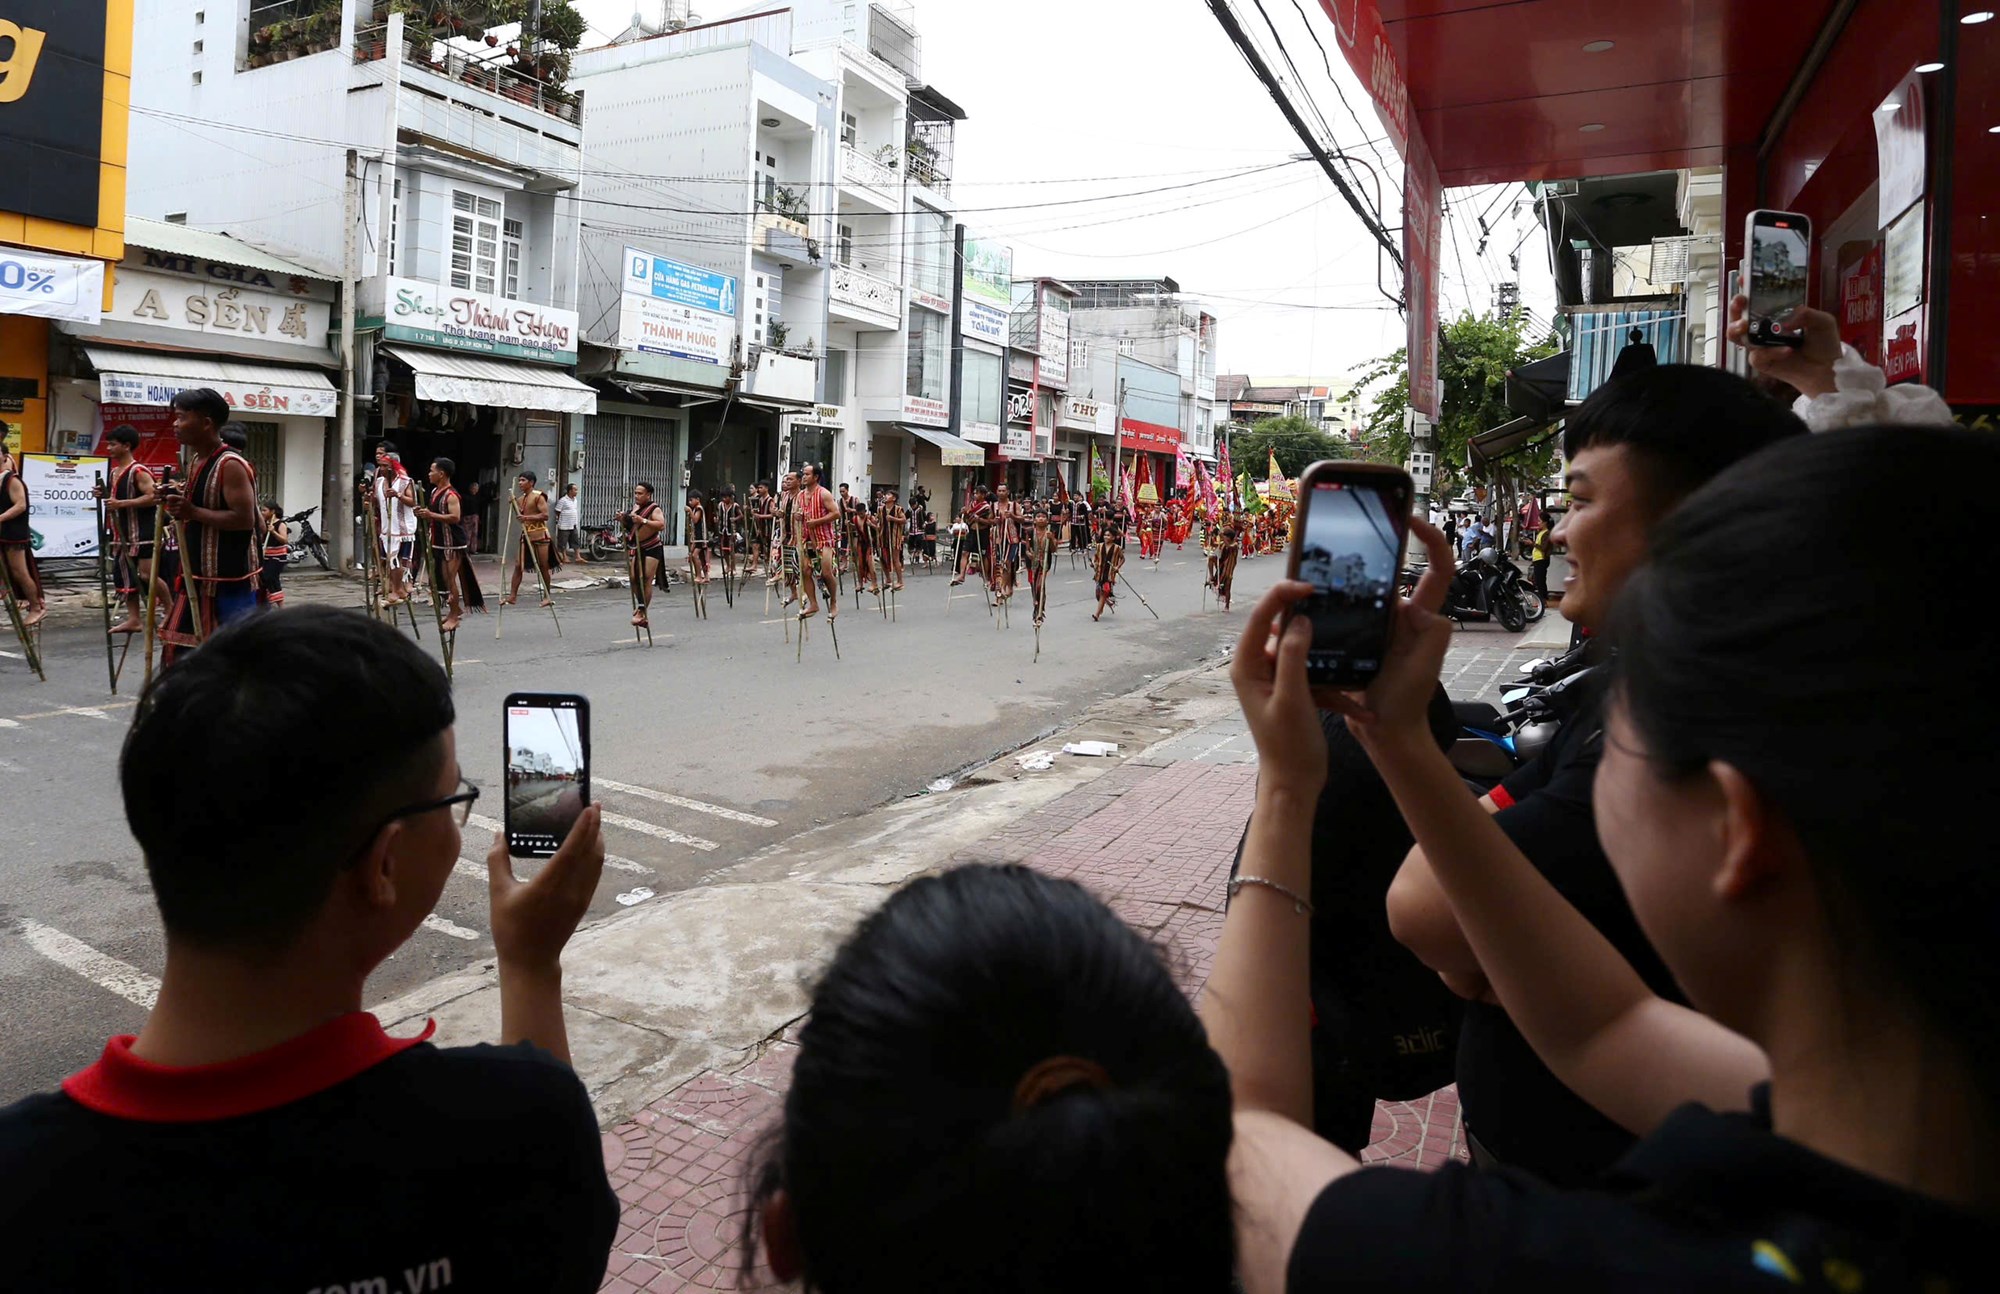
pixel 1533 665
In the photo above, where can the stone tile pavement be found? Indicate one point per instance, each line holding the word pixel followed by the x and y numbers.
pixel 1154 837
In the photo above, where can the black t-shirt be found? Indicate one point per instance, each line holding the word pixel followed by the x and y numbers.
pixel 1520 1112
pixel 415 1168
pixel 1711 1203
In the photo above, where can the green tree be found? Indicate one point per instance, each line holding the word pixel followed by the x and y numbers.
pixel 1477 352
pixel 1297 442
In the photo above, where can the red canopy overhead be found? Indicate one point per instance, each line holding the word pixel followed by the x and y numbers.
pixel 1504 90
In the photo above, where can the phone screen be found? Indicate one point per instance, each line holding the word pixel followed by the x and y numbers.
pixel 1780 254
pixel 548 771
pixel 1350 540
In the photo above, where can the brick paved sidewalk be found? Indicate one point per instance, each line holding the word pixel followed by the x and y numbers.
pixel 1155 841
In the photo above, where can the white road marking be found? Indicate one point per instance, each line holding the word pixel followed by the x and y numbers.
pixel 613 861
pixel 83 711
pixel 451 928
pixel 713 810
pixel 658 833
pixel 8 723
pixel 108 973
pixel 471 871
pixel 13 655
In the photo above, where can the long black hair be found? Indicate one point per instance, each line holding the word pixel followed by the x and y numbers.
pixel 1775 630
pixel 914 1163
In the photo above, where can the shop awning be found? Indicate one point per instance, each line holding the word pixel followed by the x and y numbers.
pixel 155 377
pixel 468 379
pixel 956 452
pixel 1508 438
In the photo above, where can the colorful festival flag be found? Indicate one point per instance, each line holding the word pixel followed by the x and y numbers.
pixel 1225 473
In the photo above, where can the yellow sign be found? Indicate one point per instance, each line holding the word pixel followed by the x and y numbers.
pixel 17 70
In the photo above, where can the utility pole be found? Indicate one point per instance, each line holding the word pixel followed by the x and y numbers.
pixel 350 258
pixel 1118 452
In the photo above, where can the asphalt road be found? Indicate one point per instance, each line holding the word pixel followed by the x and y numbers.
pixel 708 746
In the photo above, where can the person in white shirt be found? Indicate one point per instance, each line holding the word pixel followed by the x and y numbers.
pixel 396 523
pixel 567 510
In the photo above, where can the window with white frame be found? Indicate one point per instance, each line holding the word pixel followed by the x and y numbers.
pixel 475 243
pixel 850 129
pixel 395 221
pixel 930 346
pixel 843 247
pixel 510 242
pixel 985 394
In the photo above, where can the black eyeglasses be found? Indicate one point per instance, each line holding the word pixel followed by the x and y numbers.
pixel 462 802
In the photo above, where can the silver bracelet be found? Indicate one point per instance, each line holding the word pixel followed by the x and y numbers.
pixel 1300 904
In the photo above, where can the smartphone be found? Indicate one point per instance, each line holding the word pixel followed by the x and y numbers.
pixel 1347 543
pixel 1779 253
pixel 547 740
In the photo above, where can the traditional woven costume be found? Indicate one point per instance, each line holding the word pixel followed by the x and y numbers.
pixel 218 567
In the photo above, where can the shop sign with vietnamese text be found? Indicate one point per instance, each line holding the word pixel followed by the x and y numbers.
pixel 478 324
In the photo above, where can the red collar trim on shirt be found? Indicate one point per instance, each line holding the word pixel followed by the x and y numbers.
pixel 126 1087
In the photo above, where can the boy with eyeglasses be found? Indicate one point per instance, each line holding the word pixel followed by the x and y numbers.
pixel 262 1130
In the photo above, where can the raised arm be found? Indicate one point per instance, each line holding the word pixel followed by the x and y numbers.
pixel 1584 1009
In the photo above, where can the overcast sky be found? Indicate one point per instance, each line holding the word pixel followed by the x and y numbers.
pixel 1112 97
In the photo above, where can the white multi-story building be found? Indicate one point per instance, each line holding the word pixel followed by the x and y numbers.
pixel 458 221
pixel 807 179
pixel 705 255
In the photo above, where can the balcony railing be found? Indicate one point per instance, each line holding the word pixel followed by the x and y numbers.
pixel 493 75
pixel 865 291
pixel 858 168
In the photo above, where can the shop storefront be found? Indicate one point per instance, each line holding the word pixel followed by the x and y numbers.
pixel 481 380
pixel 1077 422
pixel 194 309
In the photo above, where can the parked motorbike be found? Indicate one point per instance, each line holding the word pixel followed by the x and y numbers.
pixel 306 541
pixel 605 541
pixel 1481 590
pixel 1493 741
pixel 1524 592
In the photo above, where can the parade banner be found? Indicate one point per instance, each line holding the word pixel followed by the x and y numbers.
pixel 62 509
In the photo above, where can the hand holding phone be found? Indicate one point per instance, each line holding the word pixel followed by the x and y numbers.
pixel 547 761
pixel 1778 250
pixel 1347 543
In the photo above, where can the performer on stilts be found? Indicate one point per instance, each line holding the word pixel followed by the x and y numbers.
pixel 893 521
pixel 819 518
pixel 978 517
pixel 276 550
pixel 215 518
pixel 446 515
pixel 761 507
pixel 531 505
pixel 395 500
pixel 1006 532
pixel 1108 562
pixel 728 533
pixel 645 523
pixel 1043 545
pixel 16 543
pixel 787 540
pixel 1229 548
pixel 130 497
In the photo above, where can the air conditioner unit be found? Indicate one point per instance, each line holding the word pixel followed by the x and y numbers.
pixel 1670 260
pixel 1562 189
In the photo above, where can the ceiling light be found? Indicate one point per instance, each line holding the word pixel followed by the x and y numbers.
pixel 1889 105
pixel 1993 130
pixel 1930 67
pixel 1591 128
pixel 771 122
pixel 1977 16
pixel 1599 46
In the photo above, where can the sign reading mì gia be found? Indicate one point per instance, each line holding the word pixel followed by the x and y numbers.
pixel 472 321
